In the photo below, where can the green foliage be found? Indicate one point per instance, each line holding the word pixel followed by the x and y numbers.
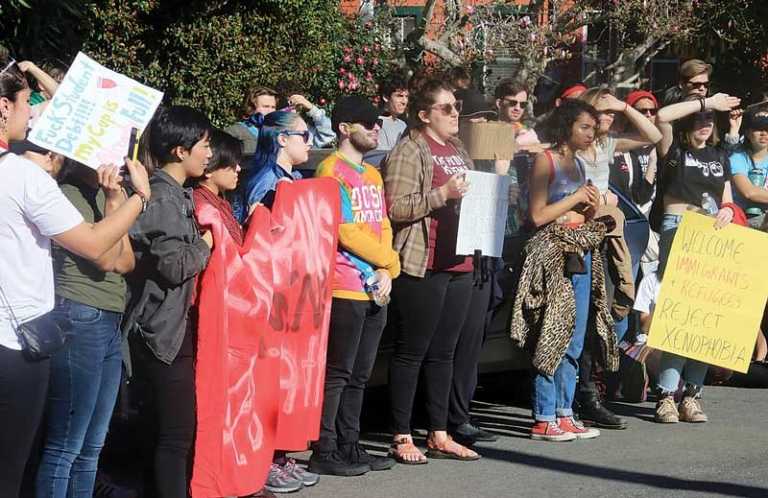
pixel 207 53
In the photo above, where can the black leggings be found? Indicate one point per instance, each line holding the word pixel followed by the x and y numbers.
pixel 431 314
pixel 23 390
pixel 168 415
pixel 467 355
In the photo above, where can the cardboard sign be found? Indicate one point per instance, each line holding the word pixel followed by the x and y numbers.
pixel 92 113
pixel 490 140
pixel 713 293
pixel 264 311
pixel 483 215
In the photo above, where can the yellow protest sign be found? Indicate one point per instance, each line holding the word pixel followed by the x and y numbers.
pixel 713 293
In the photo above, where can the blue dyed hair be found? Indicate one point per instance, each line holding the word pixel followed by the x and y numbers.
pixel 267 148
pixel 252 184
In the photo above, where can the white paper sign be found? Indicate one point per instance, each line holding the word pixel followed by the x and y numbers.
pixel 92 113
pixel 483 214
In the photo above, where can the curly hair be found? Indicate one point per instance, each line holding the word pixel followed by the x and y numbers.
pixel 559 124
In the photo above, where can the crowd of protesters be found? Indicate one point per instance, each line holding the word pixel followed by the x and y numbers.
pixel 114 265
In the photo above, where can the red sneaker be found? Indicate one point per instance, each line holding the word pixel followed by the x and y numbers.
pixel 550 431
pixel 569 424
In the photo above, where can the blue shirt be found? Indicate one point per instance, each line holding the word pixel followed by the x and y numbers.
pixel 741 163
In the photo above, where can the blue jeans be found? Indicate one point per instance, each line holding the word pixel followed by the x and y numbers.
pixel 671 366
pixel 85 378
pixel 553 394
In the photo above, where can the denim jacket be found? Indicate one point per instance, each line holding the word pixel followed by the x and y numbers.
pixel 169 255
pixel 259 186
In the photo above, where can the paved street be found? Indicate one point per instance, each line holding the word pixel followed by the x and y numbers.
pixel 725 457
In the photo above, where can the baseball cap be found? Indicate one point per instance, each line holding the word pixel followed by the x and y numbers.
pixel 353 109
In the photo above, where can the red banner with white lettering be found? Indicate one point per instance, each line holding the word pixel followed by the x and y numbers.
pixel 263 329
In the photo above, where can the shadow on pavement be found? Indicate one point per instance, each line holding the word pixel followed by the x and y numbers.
pixel 626 476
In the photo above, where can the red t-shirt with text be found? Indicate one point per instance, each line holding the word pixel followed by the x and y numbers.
pixel 444 225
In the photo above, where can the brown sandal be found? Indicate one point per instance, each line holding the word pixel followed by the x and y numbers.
pixel 434 452
pixel 404 446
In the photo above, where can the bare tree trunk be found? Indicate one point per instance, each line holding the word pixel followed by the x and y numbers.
pixel 439 47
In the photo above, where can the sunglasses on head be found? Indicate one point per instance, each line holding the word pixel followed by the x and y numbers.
pixel 448 108
pixel 514 103
pixel 306 135
pixel 698 85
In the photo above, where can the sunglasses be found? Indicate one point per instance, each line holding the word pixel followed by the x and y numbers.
pixel 370 125
pixel 514 103
pixel 448 108
pixel 699 85
pixel 306 135
pixel 650 111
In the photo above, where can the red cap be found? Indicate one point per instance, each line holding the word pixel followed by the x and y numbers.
pixel 636 95
pixel 571 90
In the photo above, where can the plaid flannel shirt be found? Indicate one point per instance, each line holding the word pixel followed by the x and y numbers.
pixel 407 173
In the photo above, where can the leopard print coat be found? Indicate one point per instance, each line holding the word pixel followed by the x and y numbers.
pixel 544 310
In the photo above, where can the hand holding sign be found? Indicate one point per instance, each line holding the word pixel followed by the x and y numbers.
pixel 92 113
pixel 713 293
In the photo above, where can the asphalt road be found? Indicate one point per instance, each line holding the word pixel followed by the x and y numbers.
pixel 726 457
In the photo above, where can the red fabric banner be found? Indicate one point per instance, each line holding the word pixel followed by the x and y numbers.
pixel 262 334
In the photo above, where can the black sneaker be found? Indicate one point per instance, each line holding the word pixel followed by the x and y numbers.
pixel 356 454
pixel 470 434
pixel 105 488
pixel 331 464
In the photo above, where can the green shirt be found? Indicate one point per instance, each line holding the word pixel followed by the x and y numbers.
pixel 77 278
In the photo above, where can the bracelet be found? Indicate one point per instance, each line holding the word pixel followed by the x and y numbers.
pixel 143 199
pixel 703 103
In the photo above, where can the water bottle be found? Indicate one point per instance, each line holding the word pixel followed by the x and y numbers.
pixel 372 286
pixel 708 203
pixel 757 178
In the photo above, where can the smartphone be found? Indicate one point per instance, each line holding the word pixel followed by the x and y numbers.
pixel 133 144
pixel 133 154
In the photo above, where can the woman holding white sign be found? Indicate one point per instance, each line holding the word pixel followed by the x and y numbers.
pixel 32 212
pixel 423 182
pixel 694 175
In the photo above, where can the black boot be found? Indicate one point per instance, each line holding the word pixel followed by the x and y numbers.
pixel 593 413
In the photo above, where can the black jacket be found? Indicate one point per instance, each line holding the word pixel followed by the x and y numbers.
pixel 169 255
